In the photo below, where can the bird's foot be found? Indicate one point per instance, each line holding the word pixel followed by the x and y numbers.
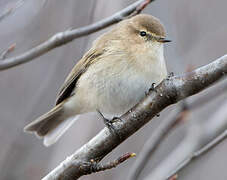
pixel 109 123
pixel 171 74
pixel 152 88
pixel 93 166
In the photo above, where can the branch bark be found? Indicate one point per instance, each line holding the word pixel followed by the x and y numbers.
pixel 62 38
pixel 170 91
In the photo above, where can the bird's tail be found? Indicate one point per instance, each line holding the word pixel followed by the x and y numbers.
pixel 52 125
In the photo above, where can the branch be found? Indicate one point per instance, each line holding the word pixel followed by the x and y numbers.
pixel 154 141
pixel 170 91
pixel 10 10
pixel 166 126
pixel 94 167
pixel 62 38
pixel 199 139
pixel 200 152
pixel 7 51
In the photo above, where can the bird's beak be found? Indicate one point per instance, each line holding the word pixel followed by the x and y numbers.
pixel 163 40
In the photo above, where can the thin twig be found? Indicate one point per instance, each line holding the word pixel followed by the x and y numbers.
pixel 7 51
pixel 174 177
pixel 200 138
pixel 169 91
pixel 154 141
pixel 62 38
pixel 94 167
pixel 200 152
pixel 115 163
pixel 10 10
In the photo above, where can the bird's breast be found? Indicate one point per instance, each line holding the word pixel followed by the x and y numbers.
pixel 113 87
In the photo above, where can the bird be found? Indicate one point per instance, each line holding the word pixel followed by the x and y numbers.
pixel 111 77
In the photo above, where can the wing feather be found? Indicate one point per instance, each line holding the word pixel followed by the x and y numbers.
pixel 69 85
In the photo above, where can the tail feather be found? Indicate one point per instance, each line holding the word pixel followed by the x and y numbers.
pixel 52 125
pixel 56 133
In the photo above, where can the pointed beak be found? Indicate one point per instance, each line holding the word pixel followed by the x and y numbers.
pixel 163 40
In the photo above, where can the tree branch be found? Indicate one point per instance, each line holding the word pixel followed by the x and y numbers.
pixel 153 143
pixel 7 51
pixel 62 38
pixel 166 126
pixel 201 151
pixel 94 167
pixel 199 136
pixel 11 9
pixel 170 91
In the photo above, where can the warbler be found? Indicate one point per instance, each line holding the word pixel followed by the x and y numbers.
pixel 110 78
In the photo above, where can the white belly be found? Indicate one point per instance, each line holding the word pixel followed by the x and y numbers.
pixel 115 92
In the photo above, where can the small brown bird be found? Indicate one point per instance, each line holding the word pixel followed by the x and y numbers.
pixel 111 77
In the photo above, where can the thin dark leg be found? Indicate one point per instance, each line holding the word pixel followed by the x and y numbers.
pixel 109 123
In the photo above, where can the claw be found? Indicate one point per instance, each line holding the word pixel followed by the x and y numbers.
pixel 109 123
pixel 171 74
pixel 152 88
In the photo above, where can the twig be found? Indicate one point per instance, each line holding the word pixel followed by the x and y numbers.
pixel 94 167
pixel 162 131
pixel 7 51
pixel 10 10
pixel 198 136
pixel 200 152
pixel 154 141
pixel 62 38
pixel 174 177
pixel 115 163
pixel 168 92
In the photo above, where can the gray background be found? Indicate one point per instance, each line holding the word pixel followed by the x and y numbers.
pixel 199 33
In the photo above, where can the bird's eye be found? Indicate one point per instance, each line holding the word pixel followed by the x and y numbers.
pixel 143 33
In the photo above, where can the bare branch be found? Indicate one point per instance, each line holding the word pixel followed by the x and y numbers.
pixel 199 136
pixel 7 51
pixel 168 92
pixel 11 9
pixel 94 167
pixel 200 152
pixel 174 177
pixel 62 38
pixel 162 131
pixel 154 141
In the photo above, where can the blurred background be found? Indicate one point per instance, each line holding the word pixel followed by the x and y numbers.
pixel 198 30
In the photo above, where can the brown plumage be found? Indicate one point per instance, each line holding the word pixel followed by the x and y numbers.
pixel 111 77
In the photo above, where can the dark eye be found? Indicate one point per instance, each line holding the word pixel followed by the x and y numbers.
pixel 143 33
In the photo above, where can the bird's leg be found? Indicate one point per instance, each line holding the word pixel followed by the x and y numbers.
pixel 109 123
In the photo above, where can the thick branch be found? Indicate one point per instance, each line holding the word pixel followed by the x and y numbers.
pixel 166 93
pixel 62 38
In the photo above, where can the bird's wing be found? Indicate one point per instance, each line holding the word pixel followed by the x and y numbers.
pixel 70 82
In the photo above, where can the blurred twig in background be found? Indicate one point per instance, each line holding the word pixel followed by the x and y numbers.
pixel 11 9
pixel 7 51
pixel 62 38
pixel 199 139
